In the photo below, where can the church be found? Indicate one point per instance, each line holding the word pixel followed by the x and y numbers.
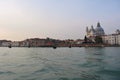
pixel 92 32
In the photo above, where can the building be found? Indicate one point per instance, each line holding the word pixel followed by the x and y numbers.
pixel 98 31
pixel 15 44
pixel 5 43
pixel 112 39
pixel 79 41
pixel 92 32
pixel 24 43
pixel 33 42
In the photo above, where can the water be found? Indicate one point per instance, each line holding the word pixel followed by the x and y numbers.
pixel 60 63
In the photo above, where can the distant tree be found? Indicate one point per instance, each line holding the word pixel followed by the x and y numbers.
pixel 98 39
pixel 85 39
pixel 48 38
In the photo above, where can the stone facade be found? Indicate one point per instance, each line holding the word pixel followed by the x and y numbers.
pixel 98 31
pixel 112 39
pixel 92 32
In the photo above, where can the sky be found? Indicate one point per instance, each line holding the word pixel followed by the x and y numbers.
pixel 58 19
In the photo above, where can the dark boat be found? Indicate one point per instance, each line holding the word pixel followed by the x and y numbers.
pixel 10 46
pixel 54 47
pixel 29 46
pixel 70 46
pixel 80 46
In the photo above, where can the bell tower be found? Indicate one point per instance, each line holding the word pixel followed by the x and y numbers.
pixel 87 31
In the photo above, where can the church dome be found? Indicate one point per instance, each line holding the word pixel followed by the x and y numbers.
pixel 99 30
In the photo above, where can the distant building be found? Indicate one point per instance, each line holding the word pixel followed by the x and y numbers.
pixel 91 33
pixel 15 44
pixel 112 39
pixel 33 42
pixel 117 31
pixel 5 43
pixel 98 31
pixel 79 41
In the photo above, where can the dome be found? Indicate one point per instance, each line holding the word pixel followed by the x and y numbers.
pixel 117 31
pixel 99 30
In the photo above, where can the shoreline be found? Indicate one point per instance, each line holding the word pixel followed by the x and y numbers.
pixel 83 45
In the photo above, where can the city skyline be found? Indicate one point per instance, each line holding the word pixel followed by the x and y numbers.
pixel 59 19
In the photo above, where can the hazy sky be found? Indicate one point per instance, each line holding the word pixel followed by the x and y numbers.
pixel 59 19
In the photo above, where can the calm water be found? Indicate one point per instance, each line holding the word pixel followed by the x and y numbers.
pixel 60 63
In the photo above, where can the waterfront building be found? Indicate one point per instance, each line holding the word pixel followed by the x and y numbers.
pixel 34 42
pixel 112 39
pixel 15 44
pixel 23 43
pixel 98 31
pixel 79 41
pixel 93 32
pixel 5 43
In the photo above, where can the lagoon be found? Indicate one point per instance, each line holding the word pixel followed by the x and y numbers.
pixel 94 63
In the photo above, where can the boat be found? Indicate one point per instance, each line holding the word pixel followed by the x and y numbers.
pixel 54 47
pixel 70 46
pixel 10 46
pixel 29 46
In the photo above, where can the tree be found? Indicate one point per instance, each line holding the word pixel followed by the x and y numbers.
pixel 85 39
pixel 98 39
